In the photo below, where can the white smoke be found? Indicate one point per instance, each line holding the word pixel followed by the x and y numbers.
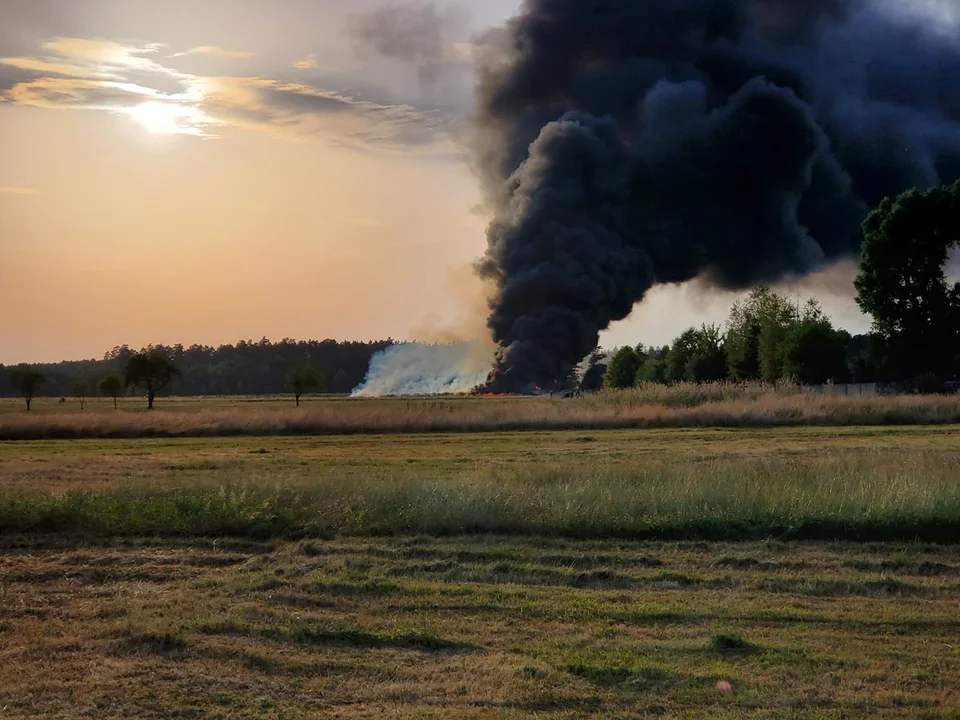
pixel 419 369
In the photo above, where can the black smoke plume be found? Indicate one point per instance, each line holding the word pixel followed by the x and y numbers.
pixel 626 143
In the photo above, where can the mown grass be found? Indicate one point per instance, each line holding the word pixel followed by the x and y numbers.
pixel 622 574
pixel 862 484
pixel 653 407
pixel 476 627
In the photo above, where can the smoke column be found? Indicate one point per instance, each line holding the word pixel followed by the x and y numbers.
pixel 626 143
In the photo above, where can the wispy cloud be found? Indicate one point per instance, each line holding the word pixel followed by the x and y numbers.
pixel 126 79
pixel 11 190
pixel 52 67
pixel 308 63
pixel 301 110
pixel 217 51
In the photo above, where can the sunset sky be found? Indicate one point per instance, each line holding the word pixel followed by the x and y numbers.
pixel 202 172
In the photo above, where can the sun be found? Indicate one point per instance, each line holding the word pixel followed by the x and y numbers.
pixel 157 117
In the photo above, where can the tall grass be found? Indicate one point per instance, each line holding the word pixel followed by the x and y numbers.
pixel 646 407
pixel 863 497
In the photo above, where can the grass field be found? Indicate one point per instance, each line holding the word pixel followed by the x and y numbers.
pixel 484 627
pixel 848 483
pixel 721 405
pixel 573 574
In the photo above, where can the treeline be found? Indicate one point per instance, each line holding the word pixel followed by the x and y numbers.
pixel 902 285
pixel 247 368
pixel 767 338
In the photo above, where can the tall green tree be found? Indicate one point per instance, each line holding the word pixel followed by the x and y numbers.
pixel 151 372
pixel 697 355
pixel 902 285
pixel 755 332
pixel 622 369
pixel 681 351
pixel 813 351
pixel 27 381
pixel 707 361
pixel 111 387
pixel 304 379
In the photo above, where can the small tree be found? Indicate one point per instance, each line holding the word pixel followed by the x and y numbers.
pixel 112 387
pixel 622 370
pixel 79 390
pixel 26 380
pixel 151 372
pixel 304 379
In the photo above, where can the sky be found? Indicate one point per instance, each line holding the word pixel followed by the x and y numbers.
pixel 187 172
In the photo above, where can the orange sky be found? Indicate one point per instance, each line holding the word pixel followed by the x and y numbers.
pixel 205 172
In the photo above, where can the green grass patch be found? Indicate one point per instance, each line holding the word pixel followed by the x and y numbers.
pixel 731 644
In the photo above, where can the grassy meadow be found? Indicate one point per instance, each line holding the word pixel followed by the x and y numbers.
pixel 847 483
pixel 653 406
pixel 781 570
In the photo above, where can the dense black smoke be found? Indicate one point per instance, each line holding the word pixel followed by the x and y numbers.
pixel 626 143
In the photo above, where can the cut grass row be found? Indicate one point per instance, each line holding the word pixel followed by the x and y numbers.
pixel 477 627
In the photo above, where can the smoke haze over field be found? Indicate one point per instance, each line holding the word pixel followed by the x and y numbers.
pixel 626 144
pixel 419 369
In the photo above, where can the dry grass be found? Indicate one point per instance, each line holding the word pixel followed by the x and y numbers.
pixel 686 406
pixel 491 627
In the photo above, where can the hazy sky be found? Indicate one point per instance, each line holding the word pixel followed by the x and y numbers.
pixel 202 172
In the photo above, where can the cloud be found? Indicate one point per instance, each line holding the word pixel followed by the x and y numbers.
pixel 9 190
pixel 79 93
pixel 75 73
pixel 301 110
pixel 307 63
pixel 48 67
pixel 217 51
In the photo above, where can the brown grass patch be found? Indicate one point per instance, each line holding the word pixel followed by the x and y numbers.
pixel 720 406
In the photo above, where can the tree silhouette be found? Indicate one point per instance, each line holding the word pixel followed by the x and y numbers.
pixel 112 387
pixel 26 380
pixel 150 371
pixel 79 390
pixel 304 379
pixel 902 283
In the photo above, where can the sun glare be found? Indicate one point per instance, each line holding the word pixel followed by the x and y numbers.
pixel 157 117
pixel 169 118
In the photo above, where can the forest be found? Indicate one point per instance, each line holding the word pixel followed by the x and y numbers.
pixel 246 368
